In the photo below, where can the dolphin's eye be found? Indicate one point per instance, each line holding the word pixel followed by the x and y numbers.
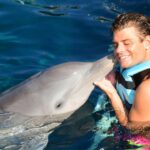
pixel 59 105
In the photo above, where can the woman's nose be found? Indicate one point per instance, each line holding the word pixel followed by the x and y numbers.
pixel 120 48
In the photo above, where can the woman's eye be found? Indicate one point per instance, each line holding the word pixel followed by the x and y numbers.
pixel 126 43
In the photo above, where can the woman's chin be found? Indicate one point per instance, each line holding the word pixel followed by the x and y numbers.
pixel 125 65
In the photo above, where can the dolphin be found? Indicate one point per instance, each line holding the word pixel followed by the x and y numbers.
pixel 32 110
pixel 58 90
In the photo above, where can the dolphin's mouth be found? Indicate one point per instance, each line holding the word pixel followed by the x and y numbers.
pixel 112 56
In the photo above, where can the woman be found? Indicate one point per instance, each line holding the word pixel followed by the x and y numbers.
pixel 128 88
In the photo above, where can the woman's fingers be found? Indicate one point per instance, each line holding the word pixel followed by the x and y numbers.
pixel 105 85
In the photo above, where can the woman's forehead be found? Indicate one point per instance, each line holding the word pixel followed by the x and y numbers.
pixel 126 33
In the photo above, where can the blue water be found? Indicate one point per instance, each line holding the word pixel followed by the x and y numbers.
pixel 37 34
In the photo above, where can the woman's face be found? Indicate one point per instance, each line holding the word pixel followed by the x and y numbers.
pixel 129 48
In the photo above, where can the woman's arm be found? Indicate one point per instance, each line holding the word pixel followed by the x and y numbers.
pixel 140 110
pixel 115 100
pixel 139 116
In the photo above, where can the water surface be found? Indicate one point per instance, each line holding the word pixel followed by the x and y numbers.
pixel 37 34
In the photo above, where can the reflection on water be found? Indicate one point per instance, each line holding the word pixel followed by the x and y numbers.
pixel 37 34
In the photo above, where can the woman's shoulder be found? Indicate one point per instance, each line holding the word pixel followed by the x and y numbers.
pixel 143 91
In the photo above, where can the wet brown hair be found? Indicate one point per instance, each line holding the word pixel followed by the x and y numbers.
pixel 140 21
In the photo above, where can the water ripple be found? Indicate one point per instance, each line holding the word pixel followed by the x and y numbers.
pixel 36 34
pixel 51 13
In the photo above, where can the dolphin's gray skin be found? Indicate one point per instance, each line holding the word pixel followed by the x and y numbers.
pixel 34 108
pixel 60 89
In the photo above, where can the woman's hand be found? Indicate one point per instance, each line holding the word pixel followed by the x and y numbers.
pixel 107 84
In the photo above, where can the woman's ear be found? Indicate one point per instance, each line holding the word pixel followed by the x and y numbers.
pixel 147 42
